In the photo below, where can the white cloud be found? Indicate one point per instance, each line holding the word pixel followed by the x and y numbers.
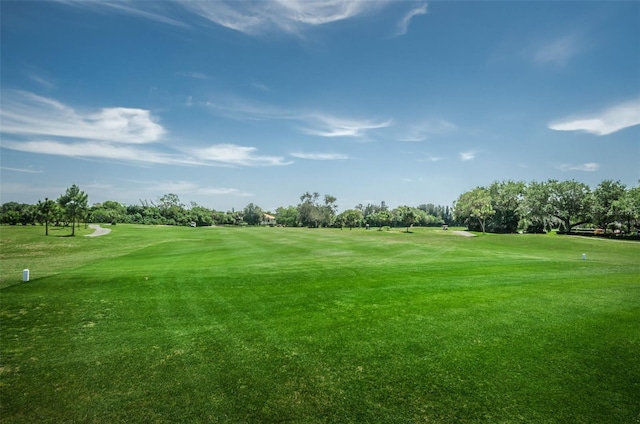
pixel 42 81
pixel 607 122
pixel 186 187
pixel 587 167
pixel 196 75
pixel 143 9
pixel 559 51
pixel 320 156
pixel 291 16
pixel 422 130
pixel 26 113
pixel 430 158
pixel 330 126
pixel 24 170
pixel 236 155
pixel 403 25
pixel 99 150
pixel 251 18
pixel 318 123
pixel 45 126
pixel 464 156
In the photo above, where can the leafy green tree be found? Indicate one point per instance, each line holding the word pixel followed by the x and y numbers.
pixel 571 202
pixel 627 208
pixel 46 212
pixel 288 216
pixel 74 204
pixel 505 201
pixel 474 205
pixel 107 212
pixel 328 210
pixel 406 215
pixel 604 197
pixel 202 216
pixel 534 208
pixel 350 218
pixel 312 213
pixel 252 214
pixel 380 219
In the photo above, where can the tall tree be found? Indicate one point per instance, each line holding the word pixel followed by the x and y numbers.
pixel 474 204
pixel 351 218
pixel 505 200
pixel 604 196
pixel 627 207
pixel 570 202
pixel 406 215
pixel 252 214
pixel 46 212
pixel 329 209
pixel 534 208
pixel 287 216
pixel 74 203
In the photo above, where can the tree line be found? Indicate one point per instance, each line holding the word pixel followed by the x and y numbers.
pixel 502 207
pixel 509 206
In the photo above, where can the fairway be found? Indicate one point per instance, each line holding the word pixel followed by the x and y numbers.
pixel 173 324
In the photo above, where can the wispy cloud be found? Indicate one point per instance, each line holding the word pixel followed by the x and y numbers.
pixel 187 187
pixel 586 167
pixel 421 131
pixel 26 113
pixel 469 155
pixel 24 170
pixel 313 123
pixel 320 156
pixel 614 119
pixel 429 158
pixel 403 25
pixel 190 74
pixel 559 51
pixel 324 125
pixel 252 18
pixel 99 150
pixel 43 82
pixel 143 9
pixel 236 155
pixel 36 124
pixel 291 16
pixel 260 86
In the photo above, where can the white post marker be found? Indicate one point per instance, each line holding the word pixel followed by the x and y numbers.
pixel 584 256
pixel 25 275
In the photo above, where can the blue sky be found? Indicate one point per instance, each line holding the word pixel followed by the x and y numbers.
pixel 230 103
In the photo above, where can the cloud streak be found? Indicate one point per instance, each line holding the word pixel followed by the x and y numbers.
pixel 317 123
pixel 609 121
pixel 586 167
pixel 403 25
pixel 559 51
pixel 320 156
pixel 41 125
pixel 236 155
pixel 252 18
pixel 25 113
pixel 465 156
pixel 186 187
pixel 290 16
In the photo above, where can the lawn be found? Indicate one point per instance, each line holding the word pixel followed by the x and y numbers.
pixel 164 324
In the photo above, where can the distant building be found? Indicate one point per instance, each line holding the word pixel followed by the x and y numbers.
pixel 269 220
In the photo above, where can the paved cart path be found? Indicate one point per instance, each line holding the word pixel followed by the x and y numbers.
pixel 464 233
pixel 99 231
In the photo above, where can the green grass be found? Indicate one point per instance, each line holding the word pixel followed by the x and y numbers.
pixel 163 324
